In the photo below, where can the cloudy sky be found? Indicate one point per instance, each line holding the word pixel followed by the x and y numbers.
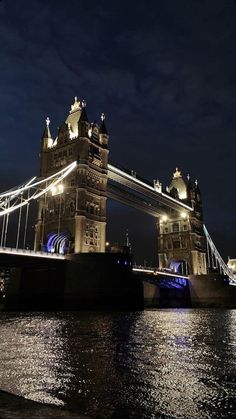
pixel 164 73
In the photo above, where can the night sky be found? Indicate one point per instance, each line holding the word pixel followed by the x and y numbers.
pixel 163 72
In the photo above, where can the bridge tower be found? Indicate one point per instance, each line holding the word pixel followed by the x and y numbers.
pixel 72 217
pixel 181 239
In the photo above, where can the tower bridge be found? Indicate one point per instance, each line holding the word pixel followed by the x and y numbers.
pixel 76 178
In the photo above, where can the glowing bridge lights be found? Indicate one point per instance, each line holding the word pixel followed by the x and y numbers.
pixel 57 189
pixel 184 215
pixel 13 200
pixel 164 219
pixel 57 243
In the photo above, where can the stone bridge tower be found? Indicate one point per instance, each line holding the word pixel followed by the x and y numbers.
pixel 72 216
pixel 181 241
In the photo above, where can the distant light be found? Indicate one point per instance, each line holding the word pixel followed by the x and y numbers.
pixel 107 243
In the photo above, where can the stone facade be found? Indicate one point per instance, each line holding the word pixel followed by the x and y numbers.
pixel 74 213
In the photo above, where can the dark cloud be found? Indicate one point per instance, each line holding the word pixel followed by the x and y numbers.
pixel 162 71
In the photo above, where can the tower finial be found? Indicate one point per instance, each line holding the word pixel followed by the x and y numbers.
pixel 84 103
pixel 196 182
pixel 47 135
pixel 188 177
pixel 103 116
pixel 177 173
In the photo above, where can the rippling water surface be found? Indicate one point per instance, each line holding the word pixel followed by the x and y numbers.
pixel 165 363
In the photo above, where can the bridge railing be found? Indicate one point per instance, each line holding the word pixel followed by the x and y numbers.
pixel 27 252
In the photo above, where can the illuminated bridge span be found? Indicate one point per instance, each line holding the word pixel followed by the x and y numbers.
pixel 128 188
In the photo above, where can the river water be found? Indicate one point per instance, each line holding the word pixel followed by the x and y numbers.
pixel 149 364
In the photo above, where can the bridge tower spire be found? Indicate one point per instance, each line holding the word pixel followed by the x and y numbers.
pixel 72 216
pixel 47 140
pixel 181 238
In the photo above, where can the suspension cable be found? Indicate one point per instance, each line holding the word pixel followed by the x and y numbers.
pixel 6 227
pixel 18 228
pixel 37 194
pixel 26 224
pixel 3 229
pixel 226 270
pixel 31 185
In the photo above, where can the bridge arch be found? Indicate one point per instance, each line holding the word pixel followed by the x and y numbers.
pixel 180 266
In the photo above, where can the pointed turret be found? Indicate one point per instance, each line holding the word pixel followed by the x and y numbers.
pixel 83 124
pixel 83 116
pixel 190 192
pixel 103 134
pixel 103 129
pixel 47 140
pixel 197 192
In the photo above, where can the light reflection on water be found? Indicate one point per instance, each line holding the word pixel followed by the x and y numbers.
pixel 165 363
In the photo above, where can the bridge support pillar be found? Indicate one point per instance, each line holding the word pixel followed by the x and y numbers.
pixel 199 266
pixel 80 226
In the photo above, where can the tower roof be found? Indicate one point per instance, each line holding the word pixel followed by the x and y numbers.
pixel 179 184
pixel 74 116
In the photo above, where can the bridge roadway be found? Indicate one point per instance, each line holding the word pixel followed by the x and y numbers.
pixel 9 253
pixel 130 189
pixel 157 272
